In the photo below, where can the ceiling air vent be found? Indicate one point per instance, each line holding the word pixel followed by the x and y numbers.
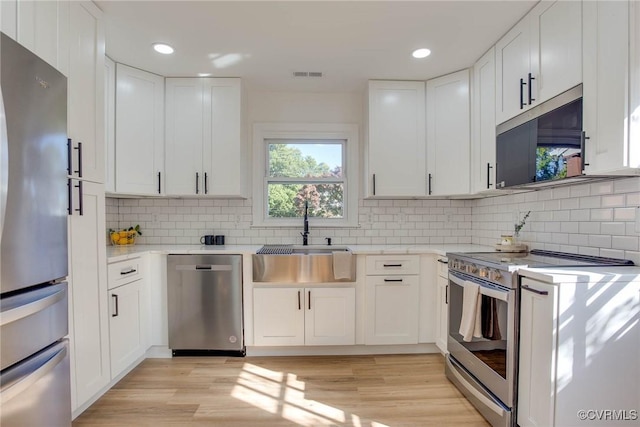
pixel 307 74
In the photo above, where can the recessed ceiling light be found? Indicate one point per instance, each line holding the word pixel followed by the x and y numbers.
pixel 421 53
pixel 163 48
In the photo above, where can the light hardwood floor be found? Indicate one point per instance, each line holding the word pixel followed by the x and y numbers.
pixel 358 391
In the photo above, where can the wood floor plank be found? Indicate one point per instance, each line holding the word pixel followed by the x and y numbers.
pixel 358 391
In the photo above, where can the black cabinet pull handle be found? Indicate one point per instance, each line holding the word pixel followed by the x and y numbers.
pixel 299 304
pixel 430 178
pixel 309 294
pixel 197 182
pixel 69 156
pixel 535 291
pixel 159 178
pixel 583 146
pixel 531 78
pixel 206 187
pixel 446 294
pixel 80 210
pixel 393 280
pixel 70 194
pixel 441 261
pixel 374 184
pixel 79 148
pixel 115 298
pixel 392 265
pixel 489 167
pixel 124 273
pixel 522 83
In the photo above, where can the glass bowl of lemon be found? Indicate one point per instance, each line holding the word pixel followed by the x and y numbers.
pixel 124 237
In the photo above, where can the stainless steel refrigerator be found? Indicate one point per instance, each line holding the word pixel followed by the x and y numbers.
pixel 34 363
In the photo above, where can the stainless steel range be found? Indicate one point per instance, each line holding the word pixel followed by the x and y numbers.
pixel 482 341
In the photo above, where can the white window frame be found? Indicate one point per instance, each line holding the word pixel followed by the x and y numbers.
pixel 263 132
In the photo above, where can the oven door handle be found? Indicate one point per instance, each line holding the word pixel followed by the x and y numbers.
pixel 484 290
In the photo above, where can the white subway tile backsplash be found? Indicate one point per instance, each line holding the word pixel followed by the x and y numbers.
pixel 597 218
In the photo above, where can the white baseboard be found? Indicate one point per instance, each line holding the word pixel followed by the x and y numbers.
pixel 350 350
pixel 159 352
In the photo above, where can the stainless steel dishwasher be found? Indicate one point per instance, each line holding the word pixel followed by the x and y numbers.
pixel 204 298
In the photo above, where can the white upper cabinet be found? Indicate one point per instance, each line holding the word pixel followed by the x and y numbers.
pixel 110 125
pixel 483 119
pixel 139 133
pixel 397 146
pixel 204 149
pixel 86 90
pixel 611 90
pixel 448 134
pixel 539 58
pixel 40 26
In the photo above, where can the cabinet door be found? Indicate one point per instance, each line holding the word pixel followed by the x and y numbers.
pixel 110 125
pixel 512 68
pixel 86 88
pixel 448 134
pixel 609 148
pixel 442 314
pixel 9 18
pixel 483 117
pixel 397 144
pixel 538 331
pixel 223 174
pixel 126 325
pixel 556 48
pixel 88 303
pixel 39 25
pixel 139 131
pixel 391 309
pixel 330 317
pixel 184 136
pixel 278 316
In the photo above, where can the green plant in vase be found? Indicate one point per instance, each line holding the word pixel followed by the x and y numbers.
pixel 518 226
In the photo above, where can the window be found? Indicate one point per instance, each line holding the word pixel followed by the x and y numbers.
pixel 305 163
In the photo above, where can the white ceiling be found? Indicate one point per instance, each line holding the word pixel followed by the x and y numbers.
pixel 264 42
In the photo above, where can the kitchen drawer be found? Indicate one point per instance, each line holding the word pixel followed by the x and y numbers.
pixel 443 267
pixel 392 264
pixel 123 272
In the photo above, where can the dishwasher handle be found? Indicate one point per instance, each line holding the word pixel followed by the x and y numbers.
pixel 203 267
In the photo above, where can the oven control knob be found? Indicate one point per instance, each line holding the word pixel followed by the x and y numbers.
pixel 496 275
pixel 472 269
pixel 483 272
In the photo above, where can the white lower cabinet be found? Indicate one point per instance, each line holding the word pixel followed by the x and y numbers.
pixel 126 329
pixel 391 313
pixel 392 299
pixel 88 306
pixel 127 313
pixel 442 305
pixel 304 316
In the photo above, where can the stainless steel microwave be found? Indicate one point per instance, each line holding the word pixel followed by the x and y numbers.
pixel 543 145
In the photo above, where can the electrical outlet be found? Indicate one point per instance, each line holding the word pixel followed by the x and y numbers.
pixel 155 217
pixel 638 219
pixel 370 218
pixel 402 217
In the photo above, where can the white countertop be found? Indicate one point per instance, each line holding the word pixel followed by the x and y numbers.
pixel 119 253
pixel 583 274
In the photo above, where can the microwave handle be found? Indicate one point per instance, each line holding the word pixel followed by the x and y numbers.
pixel 583 141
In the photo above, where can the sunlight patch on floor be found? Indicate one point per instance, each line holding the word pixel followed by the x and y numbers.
pixel 283 394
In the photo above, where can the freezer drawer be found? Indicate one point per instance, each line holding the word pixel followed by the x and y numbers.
pixel 205 302
pixel 37 391
pixel 40 314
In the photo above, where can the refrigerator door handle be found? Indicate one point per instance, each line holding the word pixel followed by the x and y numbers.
pixel 33 307
pixel 15 389
pixel 79 148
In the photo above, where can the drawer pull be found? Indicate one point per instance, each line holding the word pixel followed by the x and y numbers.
pixel 392 265
pixel 124 273
pixel 442 261
pixel 393 280
pixel 535 291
